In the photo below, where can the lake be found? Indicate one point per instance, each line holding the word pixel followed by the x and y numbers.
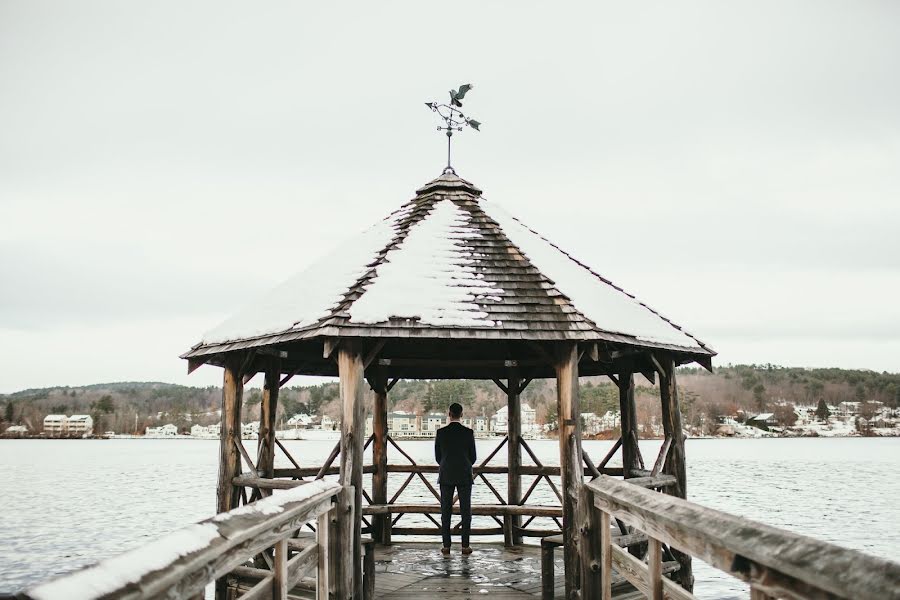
pixel 69 503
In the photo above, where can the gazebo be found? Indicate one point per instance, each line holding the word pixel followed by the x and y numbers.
pixel 449 286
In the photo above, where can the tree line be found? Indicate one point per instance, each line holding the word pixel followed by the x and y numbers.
pixel 130 407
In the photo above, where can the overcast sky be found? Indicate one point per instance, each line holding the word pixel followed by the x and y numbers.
pixel 734 164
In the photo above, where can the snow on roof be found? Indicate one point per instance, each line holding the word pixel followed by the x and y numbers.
pixel 448 264
pixel 763 417
pixel 609 307
pixel 310 295
pixel 429 276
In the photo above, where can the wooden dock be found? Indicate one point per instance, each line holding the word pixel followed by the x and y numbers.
pixel 413 570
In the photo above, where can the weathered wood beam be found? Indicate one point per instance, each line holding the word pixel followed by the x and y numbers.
pixel 229 455
pixel 188 565
pixel 381 526
pixel 268 407
pixel 351 372
pixel 497 510
pixel 196 363
pixel 781 563
pixel 628 422
pixel 513 457
pixel 675 458
pixel 571 468
pixel 373 353
pixel 329 346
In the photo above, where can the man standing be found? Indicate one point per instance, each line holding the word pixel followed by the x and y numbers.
pixel 454 451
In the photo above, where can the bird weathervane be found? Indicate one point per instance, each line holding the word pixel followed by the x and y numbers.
pixel 454 119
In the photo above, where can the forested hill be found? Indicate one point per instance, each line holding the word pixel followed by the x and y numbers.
pixel 128 407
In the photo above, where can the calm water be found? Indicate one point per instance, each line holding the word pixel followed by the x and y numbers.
pixel 70 503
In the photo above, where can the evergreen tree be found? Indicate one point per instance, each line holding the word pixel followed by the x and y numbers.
pixel 822 410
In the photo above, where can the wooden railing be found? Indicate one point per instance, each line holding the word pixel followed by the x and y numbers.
pixel 182 563
pixel 776 563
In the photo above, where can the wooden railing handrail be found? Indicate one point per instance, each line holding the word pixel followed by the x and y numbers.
pixel 774 561
pixel 183 562
pixel 417 468
pixel 477 509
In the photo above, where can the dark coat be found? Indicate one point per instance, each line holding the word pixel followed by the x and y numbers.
pixel 454 451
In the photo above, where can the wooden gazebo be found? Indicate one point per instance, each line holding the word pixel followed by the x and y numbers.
pixel 449 286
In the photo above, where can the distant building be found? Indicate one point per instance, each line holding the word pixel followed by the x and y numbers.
pixel 527 418
pixel 168 430
pixel 763 421
pixel 848 409
pixel 250 430
pixel 401 423
pixel 433 421
pixel 478 424
pixel 80 425
pixel 55 425
pixel 16 431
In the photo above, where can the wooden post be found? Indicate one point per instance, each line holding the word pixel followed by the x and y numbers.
pixel 675 461
pixel 628 424
pixel 351 372
pixel 265 456
pixel 654 569
pixel 570 459
pixel 227 495
pixel 605 557
pixel 325 534
pixel 381 524
pixel 280 580
pixel 592 536
pixel 512 523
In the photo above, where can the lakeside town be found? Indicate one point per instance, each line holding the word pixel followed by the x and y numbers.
pixel 847 419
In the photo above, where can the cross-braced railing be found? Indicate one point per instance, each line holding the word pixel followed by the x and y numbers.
pixel 776 563
pixel 222 548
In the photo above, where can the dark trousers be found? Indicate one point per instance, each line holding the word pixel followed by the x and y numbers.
pixel 465 511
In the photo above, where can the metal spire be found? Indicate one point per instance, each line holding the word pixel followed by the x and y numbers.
pixel 454 119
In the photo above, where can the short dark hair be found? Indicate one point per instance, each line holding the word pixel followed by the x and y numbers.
pixel 456 410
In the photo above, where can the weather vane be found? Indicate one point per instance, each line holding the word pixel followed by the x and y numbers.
pixel 454 119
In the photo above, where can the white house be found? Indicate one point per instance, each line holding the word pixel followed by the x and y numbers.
pixel 250 430
pixel 168 430
pixel 301 420
pixel 433 421
pixel 56 425
pixel 15 431
pixel 500 419
pixel 80 425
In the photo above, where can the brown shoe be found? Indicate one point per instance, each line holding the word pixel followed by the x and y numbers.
pixel 446 551
pixel 467 550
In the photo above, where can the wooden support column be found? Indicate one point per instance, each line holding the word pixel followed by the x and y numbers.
pixel 570 459
pixel 592 534
pixel 351 372
pixel 512 523
pixel 227 495
pixel 629 425
pixel 381 524
pixel 675 461
pixel 265 456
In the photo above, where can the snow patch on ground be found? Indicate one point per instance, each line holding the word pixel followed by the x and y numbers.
pixel 610 309
pixel 310 295
pixel 115 573
pixel 430 276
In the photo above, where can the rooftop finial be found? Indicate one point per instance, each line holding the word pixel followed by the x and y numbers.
pixel 454 119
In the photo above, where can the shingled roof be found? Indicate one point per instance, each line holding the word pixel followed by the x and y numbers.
pixel 450 265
